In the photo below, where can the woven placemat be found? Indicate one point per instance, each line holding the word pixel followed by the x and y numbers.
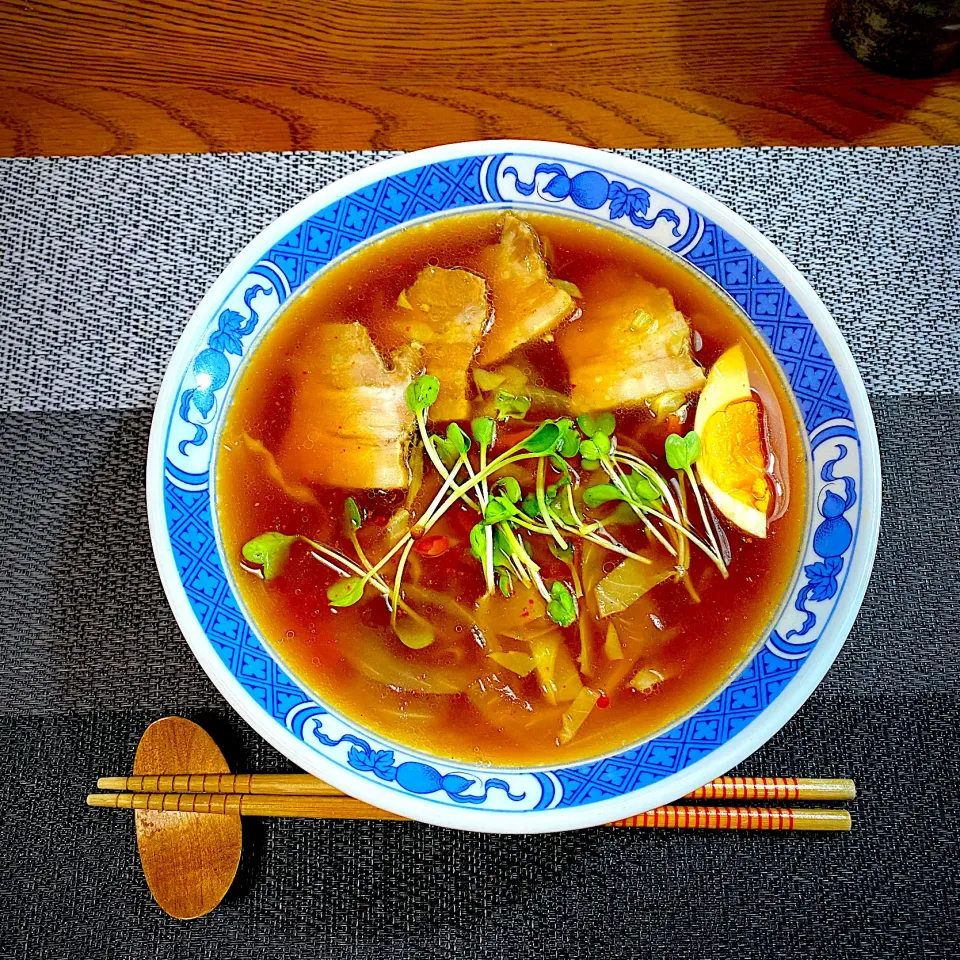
pixel 101 263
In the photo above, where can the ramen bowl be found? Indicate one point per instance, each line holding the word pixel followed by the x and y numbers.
pixel 818 605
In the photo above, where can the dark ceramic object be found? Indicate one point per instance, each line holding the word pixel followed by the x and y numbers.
pixel 905 38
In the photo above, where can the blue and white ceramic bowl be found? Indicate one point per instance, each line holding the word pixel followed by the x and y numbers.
pixel 239 310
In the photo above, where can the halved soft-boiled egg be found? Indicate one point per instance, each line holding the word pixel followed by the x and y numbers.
pixel 732 465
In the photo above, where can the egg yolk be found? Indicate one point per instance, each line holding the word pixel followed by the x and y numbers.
pixel 733 454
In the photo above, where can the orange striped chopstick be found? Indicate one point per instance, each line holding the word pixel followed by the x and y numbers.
pixel 739 818
pixel 771 789
pixel 342 807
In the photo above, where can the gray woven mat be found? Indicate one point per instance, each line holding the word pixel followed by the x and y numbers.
pixel 101 263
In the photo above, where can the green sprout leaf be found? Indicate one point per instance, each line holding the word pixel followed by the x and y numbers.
pixel 589 451
pixel 510 488
pixel 483 429
pixel 458 439
pixel 601 493
pixel 498 509
pixel 641 488
pixel 478 541
pixel 588 424
pixel 352 520
pixel 446 451
pixel 346 591
pixel 589 464
pixel 270 550
pixel 682 452
pixel 505 583
pixel 604 424
pixel 500 549
pixel 543 439
pixel 508 405
pixel 423 393
pixel 569 443
pixel 414 632
pixel 565 555
pixel 562 608
pixel 530 506
pixel 602 442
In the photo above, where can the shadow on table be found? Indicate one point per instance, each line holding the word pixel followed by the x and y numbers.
pixel 802 88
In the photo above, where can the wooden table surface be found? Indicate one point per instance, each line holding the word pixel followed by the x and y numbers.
pixel 175 76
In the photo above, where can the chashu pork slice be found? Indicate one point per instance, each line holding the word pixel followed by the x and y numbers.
pixel 445 311
pixel 527 304
pixel 350 425
pixel 629 345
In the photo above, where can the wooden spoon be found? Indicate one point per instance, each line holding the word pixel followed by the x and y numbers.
pixel 189 859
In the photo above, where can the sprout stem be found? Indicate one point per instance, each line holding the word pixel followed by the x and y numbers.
pixel 544 508
pixel 706 523
pixel 613 472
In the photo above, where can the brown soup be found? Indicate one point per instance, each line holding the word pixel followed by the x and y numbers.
pixel 509 681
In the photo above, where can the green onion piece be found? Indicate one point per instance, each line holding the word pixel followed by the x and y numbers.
pixel 568 286
pixel 508 405
pixel 487 380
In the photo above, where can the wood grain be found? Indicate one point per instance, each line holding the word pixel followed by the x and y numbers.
pixel 222 805
pixel 304 785
pixel 189 860
pixel 117 77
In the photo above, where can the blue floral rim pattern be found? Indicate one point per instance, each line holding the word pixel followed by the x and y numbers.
pixel 534 182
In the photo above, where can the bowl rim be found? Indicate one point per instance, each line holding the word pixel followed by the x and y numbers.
pixel 727 754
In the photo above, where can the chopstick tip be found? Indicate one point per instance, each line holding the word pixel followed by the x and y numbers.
pixel 112 783
pixel 101 800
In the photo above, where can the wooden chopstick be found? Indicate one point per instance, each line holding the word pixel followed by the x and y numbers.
pixel 342 807
pixel 303 785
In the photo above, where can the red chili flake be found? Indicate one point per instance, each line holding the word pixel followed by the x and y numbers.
pixel 603 701
pixel 432 546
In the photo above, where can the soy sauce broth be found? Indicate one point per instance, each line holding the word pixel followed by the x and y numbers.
pixel 699 645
